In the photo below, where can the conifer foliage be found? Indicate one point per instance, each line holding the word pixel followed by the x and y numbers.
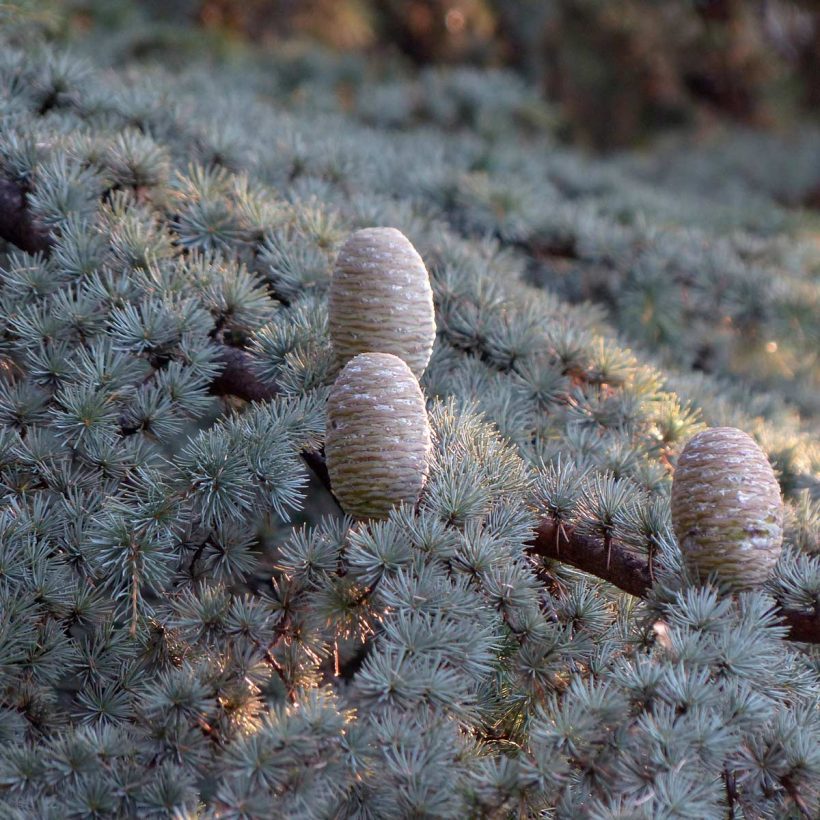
pixel 190 627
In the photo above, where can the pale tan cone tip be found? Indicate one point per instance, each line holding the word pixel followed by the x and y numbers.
pixel 727 511
pixel 378 436
pixel 381 299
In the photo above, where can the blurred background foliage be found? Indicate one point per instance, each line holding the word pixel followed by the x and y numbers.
pixel 617 72
pixel 689 214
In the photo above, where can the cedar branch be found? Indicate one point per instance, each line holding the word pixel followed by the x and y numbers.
pixel 611 562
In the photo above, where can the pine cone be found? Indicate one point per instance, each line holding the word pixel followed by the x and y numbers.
pixel 726 508
pixel 378 436
pixel 381 299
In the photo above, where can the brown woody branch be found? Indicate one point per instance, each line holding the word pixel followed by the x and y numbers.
pixel 629 571
pixel 239 379
pixel 17 225
pixel 624 568
pixel 614 562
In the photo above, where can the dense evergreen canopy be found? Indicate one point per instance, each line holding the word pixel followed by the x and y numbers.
pixel 189 625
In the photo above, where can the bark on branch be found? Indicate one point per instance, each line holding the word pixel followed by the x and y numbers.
pixel 17 225
pixel 239 379
pixel 629 571
pixel 622 567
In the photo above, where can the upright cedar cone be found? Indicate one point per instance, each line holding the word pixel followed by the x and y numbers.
pixel 378 436
pixel 381 299
pixel 726 508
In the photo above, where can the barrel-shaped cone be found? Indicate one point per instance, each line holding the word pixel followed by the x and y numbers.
pixel 727 511
pixel 381 299
pixel 378 436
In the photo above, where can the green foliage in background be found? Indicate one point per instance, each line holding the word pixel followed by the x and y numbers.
pixel 189 629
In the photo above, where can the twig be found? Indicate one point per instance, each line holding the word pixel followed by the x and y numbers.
pixel 135 580
pixel 731 790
